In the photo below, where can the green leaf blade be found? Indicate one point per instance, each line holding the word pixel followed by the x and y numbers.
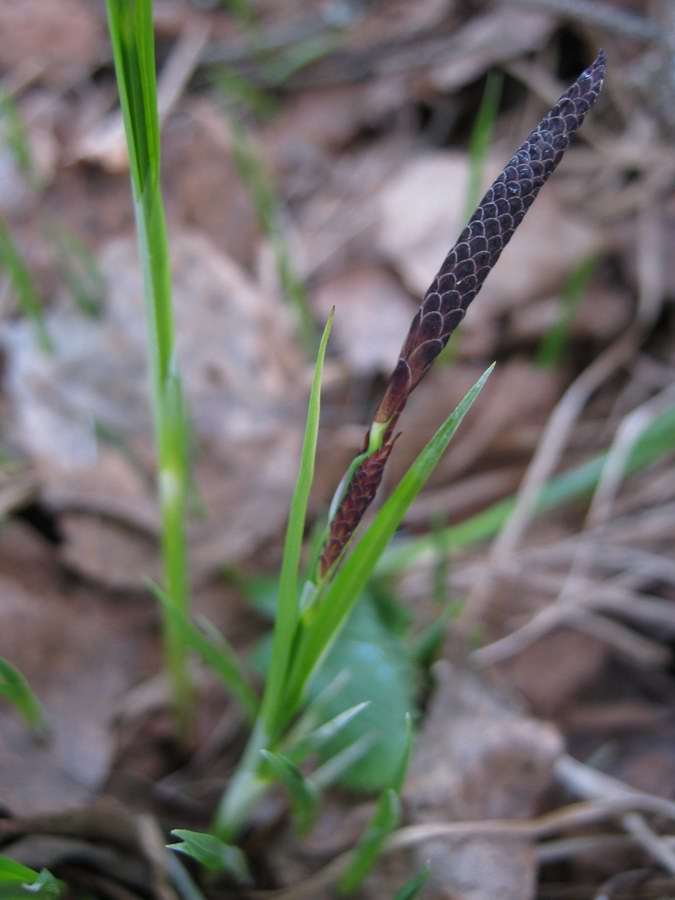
pixel 305 795
pixel 214 650
pixel 212 853
pixel 274 702
pixel 385 819
pixel 412 888
pixel 18 881
pixel 16 689
pixel 23 285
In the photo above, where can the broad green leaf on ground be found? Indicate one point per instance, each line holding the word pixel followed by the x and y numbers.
pixel 382 674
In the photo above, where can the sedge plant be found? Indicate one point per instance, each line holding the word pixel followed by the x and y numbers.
pixel 132 38
pixel 315 603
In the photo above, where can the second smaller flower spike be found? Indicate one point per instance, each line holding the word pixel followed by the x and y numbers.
pixel 461 276
pixel 357 498
pixel 489 230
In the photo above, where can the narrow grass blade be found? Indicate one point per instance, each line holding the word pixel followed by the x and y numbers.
pixel 78 269
pixel 426 646
pixel 258 182
pixel 351 579
pixel 132 39
pixel 399 778
pixel 300 54
pixel 315 711
pixel 16 689
pixel 305 795
pixel 14 136
pixel 334 769
pixel 481 136
pixel 274 701
pixel 17 880
pixel 657 440
pixel 385 819
pixel 212 853
pixel 315 740
pixel 23 286
pixel 236 90
pixel 215 651
pixel 412 888
pixel 243 11
pixel 181 880
pixel 554 342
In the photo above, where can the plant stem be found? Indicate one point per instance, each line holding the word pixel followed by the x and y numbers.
pixel 131 32
pixel 244 790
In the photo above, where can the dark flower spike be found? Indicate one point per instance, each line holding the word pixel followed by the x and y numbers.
pixel 358 496
pixel 461 276
pixel 491 227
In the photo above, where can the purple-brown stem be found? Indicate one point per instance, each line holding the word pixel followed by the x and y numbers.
pixel 461 276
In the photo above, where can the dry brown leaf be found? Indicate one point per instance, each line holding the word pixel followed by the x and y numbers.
pixel 602 315
pixel 328 119
pixel 241 377
pixel 106 851
pixel 206 190
pixel 372 314
pixel 65 39
pixel 492 39
pixel 478 757
pixel 579 663
pixel 79 653
pixel 471 728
